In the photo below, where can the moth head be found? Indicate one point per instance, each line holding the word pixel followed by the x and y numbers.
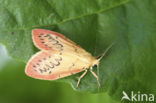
pixel 97 60
pixel 95 63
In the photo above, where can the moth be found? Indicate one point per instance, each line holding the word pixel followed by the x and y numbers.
pixel 59 57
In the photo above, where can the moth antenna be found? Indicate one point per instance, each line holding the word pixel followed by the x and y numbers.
pixel 101 56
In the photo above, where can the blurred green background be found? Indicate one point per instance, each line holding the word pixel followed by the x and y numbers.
pixel 16 87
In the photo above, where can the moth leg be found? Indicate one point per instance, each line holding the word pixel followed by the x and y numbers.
pixel 79 79
pixel 94 74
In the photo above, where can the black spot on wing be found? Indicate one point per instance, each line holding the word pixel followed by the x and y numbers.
pixel 54 42
pixel 49 66
pixel 50 72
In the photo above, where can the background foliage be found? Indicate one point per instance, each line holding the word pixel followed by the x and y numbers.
pixel 94 25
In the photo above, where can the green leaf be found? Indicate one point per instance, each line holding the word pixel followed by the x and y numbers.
pixel 94 25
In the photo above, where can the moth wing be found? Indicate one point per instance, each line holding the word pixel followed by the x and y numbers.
pixel 50 40
pixel 54 65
